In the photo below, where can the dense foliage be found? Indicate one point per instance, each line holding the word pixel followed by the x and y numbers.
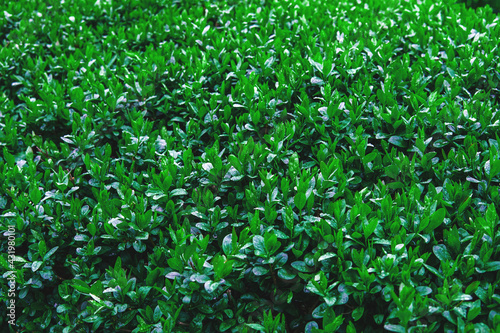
pixel 494 4
pixel 242 166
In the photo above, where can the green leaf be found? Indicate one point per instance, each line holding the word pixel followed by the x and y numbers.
pixel 492 266
pixel 316 65
pixel 472 287
pixel 227 324
pixel 259 270
pixel 301 266
pixel 235 162
pixel 80 286
pixel 36 265
pixel 474 310
pixel 397 141
pixel 434 271
pixel 381 96
pixel 440 143
pixel 441 253
pixel 436 220
pixel 370 157
pixel 329 318
pixel 378 318
pixel 300 200
pixel 64 308
pixel 271 243
pixel 211 287
pixel 257 327
pixel 394 328
pixel 259 245
pixel 155 193
pixel 288 218
pixel 491 215
pixel 317 81
pixel 35 195
pixel 423 290
pixel 285 274
pixel 178 191
pixel 369 228
pixel 462 297
pixel 314 287
pixel 11 161
pixel 392 171
pixel 50 253
pixel 494 168
pixel 227 245
pixel 358 313
pixel 395 185
pixel 42 248
pixel 293 165
pixel 92 229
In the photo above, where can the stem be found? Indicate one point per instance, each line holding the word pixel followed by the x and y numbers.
pixel 274 277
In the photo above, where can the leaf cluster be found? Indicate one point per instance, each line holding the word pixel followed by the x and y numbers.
pixel 242 166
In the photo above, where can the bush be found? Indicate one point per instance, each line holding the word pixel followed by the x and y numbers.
pixel 494 4
pixel 228 166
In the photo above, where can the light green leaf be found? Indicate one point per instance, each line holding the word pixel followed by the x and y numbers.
pixel 178 191
pixel 259 245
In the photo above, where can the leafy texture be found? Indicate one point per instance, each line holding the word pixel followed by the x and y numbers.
pixel 242 166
